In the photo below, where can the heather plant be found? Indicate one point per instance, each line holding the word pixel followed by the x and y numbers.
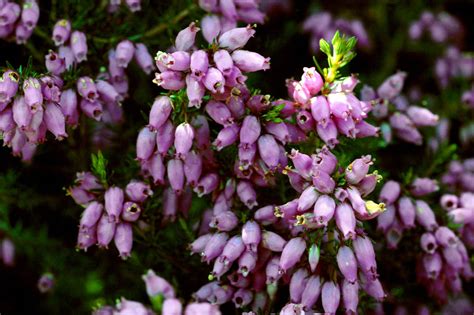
pixel 210 150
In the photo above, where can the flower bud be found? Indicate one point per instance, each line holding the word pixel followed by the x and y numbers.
pixel 91 215
pixel 323 182
pixel 223 61
pixel 445 237
pixel 9 13
pixel 232 250
pixel 330 296
pixel 324 209
pixel 273 241
pixel 21 113
pixel 131 211
pixel 170 80
pixel 358 169
pixel 114 202
pixel 311 292
pixel 214 247
pixel 123 239
pixel 183 139
pixel 292 253
pixel 135 6
pixel 157 285
pixel 425 216
pixel 186 37
pixel 422 116
pixel 55 121
pixel 251 235
pixel 242 297
pixel 207 184
pixel 449 202
pixel 226 137
pixel 365 254
pixel 428 243
pixel 105 230
pixel 247 194
pixel 432 264
pixel 269 151
pixel 307 199
pixel 7 252
pixel 108 92
pixel 201 308
pixel 79 46
pixel 350 296
pixel 248 61
pixel 214 81
pixel 328 133
pixel 224 221
pixel 33 95
pixel 175 172
pixel 145 144
pixel 54 63
pixel 87 89
pixel 219 113
pixel 347 263
pixel 30 14
pixel 61 32
pixel 423 186
pixel 236 38
pixel 392 86
pixel 247 262
pixel 390 192
pixel 199 64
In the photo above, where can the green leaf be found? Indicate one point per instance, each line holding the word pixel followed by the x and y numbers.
pixel 99 166
pixel 324 47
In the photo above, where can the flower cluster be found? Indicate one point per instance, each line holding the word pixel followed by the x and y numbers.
pixel 161 293
pixel 445 257
pixel 402 211
pixel 132 5
pixel 217 70
pixel 329 114
pixel 229 12
pixel 403 119
pixel 454 64
pixel 459 175
pixel 17 20
pixel 263 256
pixel 109 213
pixel 442 27
pixel 32 105
pixel 324 25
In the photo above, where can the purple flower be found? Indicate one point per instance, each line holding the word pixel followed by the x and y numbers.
pixel 33 94
pixel 365 254
pixel 123 239
pixel 292 253
pixel 156 285
pixel 425 216
pixel 185 38
pixel 251 235
pixel 55 121
pixel 236 38
pixel 214 247
pixel 423 186
pixel 310 294
pixel 79 46
pixel 330 296
pixel 347 263
pixel 345 220
pixel 61 32
pixel 248 61
pixel 298 284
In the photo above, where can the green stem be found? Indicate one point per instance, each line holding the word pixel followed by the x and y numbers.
pixel 163 26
